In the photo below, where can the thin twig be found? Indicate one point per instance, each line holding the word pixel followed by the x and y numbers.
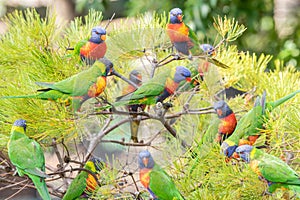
pixel 93 144
pixel 16 193
pixel 77 169
pixel 12 185
pixel 109 21
pixel 124 79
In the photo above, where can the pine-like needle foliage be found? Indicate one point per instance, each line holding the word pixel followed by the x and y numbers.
pixel 34 50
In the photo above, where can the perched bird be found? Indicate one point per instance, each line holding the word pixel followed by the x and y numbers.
pixel 84 183
pixel 157 89
pixel 185 40
pixel 28 157
pixel 248 127
pixel 94 48
pixel 217 131
pixel 76 89
pixel 156 180
pixel 136 77
pixel 228 120
pixel 276 172
pixel 180 33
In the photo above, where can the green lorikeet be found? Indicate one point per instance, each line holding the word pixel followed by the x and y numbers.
pixel 156 180
pixel 157 89
pixel 248 127
pixel 84 183
pixel 276 172
pixel 94 48
pixel 76 89
pixel 136 77
pixel 28 157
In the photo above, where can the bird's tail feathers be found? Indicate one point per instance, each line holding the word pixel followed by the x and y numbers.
pixel 21 96
pixel 280 101
pixel 43 84
pixel 134 127
pixel 40 186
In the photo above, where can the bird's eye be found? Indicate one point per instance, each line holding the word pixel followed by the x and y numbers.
pixel 97 33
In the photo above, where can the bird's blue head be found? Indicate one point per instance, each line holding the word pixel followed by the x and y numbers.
pixel 209 49
pixel 222 109
pixel 20 123
pixel 145 160
pixel 244 152
pixel 228 148
pixel 99 163
pixel 176 16
pixel 181 74
pixel 98 35
pixel 136 77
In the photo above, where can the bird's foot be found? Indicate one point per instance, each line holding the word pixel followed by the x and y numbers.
pixel 176 56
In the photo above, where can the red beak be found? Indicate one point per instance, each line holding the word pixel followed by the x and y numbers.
pixel 145 161
pixel 179 17
pixel 188 79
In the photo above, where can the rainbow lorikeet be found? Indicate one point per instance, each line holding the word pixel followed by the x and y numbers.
pixel 94 48
pixel 228 120
pixel 28 157
pixel 136 77
pixel 157 89
pixel 156 180
pixel 76 89
pixel 248 127
pixel 84 183
pixel 184 39
pixel 276 172
pixel 217 131
pixel 180 34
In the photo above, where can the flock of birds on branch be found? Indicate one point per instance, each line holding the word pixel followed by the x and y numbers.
pixel 235 137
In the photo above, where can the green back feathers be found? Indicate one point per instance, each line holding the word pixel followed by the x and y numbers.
pixel 162 185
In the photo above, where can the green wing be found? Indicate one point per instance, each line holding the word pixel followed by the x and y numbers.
pixel 28 157
pixel 77 187
pixel 147 92
pixel 275 170
pixel 193 36
pixel 248 125
pixel 79 84
pixel 78 46
pixel 26 154
pixel 162 185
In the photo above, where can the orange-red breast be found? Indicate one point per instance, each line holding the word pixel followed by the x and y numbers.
pixel 95 47
pixel 228 119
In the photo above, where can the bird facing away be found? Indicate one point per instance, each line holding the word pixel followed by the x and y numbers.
pixel 76 89
pixel 155 179
pixel 249 126
pixel 28 157
pixel 275 171
pixel 84 183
